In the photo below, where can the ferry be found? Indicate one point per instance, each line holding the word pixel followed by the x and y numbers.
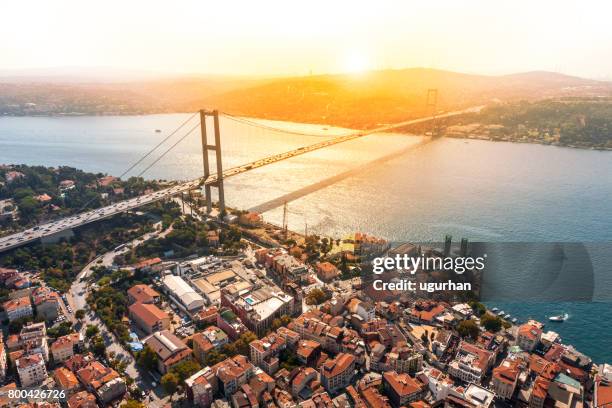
pixel 559 318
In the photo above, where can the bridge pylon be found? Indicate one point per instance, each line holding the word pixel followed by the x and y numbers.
pixel 206 148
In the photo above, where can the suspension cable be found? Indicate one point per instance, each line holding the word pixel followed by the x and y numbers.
pixel 279 130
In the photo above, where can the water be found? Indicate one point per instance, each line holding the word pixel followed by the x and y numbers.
pixel 499 192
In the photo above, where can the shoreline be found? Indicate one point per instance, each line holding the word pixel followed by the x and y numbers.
pixel 466 137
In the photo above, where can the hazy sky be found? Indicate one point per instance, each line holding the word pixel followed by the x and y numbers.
pixel 290 37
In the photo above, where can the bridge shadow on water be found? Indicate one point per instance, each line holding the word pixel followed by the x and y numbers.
pixel 319 185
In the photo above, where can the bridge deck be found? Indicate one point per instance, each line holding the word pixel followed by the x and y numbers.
pixel 53 227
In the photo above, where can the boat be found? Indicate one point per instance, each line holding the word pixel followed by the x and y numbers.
pixel 507 316
pixel 157 130
pixel 494 309
pixel 559 318
pixel 501 313
pixel 514 320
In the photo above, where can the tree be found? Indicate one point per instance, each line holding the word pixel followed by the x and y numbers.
pixel 468 328
pixel 79 314
pixel 186 369
pixel 315 297
pixel 170 382
pixel 478 308
pixel 147 358
pixel 491 323
pixel 91 331
pixel 132 404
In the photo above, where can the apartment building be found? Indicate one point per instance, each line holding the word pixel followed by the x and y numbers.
pixel 31 370
pixel 148 317
pixel 337 373
pixel 64 347
pixel 18 308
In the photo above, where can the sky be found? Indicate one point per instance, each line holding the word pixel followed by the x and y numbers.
pixel 266 37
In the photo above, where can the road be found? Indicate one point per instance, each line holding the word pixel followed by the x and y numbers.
pixel 77 296
pixel 54 227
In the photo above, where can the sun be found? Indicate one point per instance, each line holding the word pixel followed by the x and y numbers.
pixel 356 63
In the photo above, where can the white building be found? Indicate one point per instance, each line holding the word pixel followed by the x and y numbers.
pixel 31 370
pixel 182 293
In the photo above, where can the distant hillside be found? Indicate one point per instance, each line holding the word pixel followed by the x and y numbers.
pixel 358 101
pixel 390 96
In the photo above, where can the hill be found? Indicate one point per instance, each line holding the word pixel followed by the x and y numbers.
pixel 358 101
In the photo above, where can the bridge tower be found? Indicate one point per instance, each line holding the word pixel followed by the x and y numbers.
pixel 432 109
pixel 206 148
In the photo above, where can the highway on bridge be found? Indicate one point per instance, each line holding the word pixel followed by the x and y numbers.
pixel 55 227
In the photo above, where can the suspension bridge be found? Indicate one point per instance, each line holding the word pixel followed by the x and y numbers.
pixel 209 179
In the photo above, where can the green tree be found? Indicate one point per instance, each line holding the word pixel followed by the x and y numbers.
pixel 91 331
pixel 147 358
pixel 468 328
pixel 315 297
pixel 491 323
pixel 79 314
pixel 132 404
pixel 170 382
pixel 186 369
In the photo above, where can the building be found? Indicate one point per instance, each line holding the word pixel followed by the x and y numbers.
pixel 31 370
pixel 478 396
pixel 232 373
pixel 64 347
pixel 183 294
pixel 264 352
pixel 148 317
pixel 170 350
pixel 301 380
pixel 66 380
pixel 471 363
pixel 308 352
pixel 505 378
pixel 199 389
pixel 337 373
pixel 401 359
pixel 211 338
pixel 32 339
pixel 327 271
pixel 333 339
pixel 2 360
pixel 539 390
pixel 365 310
pixel 250 219
pixel 82 399
pixel 258 307
pixel 104 382
pixel 528 336
pixel 46 302
pixel 8 210
pixel 602 395
pixel 143 294
pixel 402 389
pixel 18 308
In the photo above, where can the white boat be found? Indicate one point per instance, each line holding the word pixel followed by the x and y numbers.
pixel 514 320
pixel 559 318
pixel 507 316
pixel 494 310
pixel 501 313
